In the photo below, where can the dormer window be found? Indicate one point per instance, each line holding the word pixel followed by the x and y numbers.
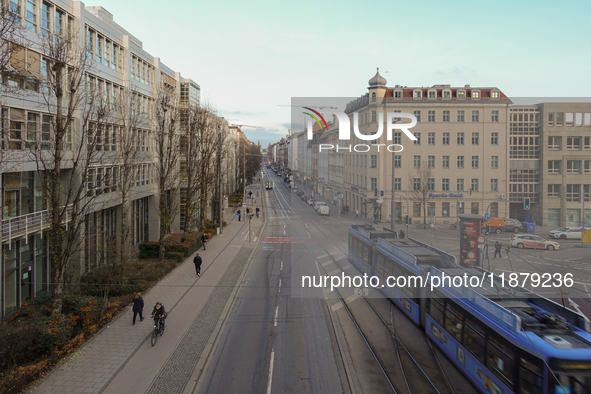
pixel 417 94
pixel 432 94
pixel 461 94
pixel 495 94
pixel 447 94
pixel 373 97
pixel 476 94
pixel 398 94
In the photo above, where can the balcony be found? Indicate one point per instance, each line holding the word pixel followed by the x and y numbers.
pixel 22 226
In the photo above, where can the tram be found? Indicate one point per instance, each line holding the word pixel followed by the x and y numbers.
pixel 504 339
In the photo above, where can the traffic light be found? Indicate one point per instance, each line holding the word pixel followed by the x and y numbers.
pixel 526 203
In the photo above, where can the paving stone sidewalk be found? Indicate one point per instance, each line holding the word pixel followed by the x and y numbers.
pixel 94 365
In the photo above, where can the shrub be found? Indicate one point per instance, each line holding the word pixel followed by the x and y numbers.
pixel 149 250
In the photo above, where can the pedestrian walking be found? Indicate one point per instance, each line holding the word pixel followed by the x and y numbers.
pixel 197 261
pixel 239 214
pixel 247 211
pixel 258 210
pixel 204 239
pixel 498 247
pixel 138 307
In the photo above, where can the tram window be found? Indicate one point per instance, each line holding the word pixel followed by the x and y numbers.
pixel 500 361
pixel 531 378
pixel 453 322
pixel 381 264
pixel 436 310
pixel 474 340
pixel 366 250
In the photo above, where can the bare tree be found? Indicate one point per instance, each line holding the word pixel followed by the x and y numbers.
pixel 208 148
pixel 64 156
pixel 166 114
pixel 419 191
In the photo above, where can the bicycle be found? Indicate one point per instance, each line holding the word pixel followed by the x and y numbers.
pixel 158 330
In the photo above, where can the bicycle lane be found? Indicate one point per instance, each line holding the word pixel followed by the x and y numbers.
pixel 120 357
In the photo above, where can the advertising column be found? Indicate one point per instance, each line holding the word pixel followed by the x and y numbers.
pixel 469 230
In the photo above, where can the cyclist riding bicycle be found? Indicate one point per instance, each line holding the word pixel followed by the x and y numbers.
pixel 158 314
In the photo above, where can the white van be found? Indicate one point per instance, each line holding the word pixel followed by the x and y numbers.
pixel 317 204
pixel 323 210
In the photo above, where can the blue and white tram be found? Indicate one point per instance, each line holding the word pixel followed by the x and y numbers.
pixel 505 340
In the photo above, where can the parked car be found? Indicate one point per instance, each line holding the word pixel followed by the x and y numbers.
pixel 270 185
pixel 533 241
pixel 310 201
pixel 568 232
pixel 513 225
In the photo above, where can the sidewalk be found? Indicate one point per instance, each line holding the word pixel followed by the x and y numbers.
pixel 120 358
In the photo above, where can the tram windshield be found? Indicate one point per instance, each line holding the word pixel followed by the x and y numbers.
pixel 571 383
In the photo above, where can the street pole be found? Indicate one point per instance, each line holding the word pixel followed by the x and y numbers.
pixel 249 228
pixel 392 208
pixel 220 183
pixel 407 228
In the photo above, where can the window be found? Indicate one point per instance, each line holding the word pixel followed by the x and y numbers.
pixel 436 310
pixel 531 377
pixel 45 20
pixel 500 361
pixel 374 161
pixel 417 161
pixel 59 22
pixel 454 322
pixel 573 193
pixel 445 209
pixel 374 183
pixel 431 184
pixel 98 53
pixel 417 94
pixel 431 161
pixel 587 167
pixel 107 52
pixel 416 209
pixel 494 162
pixel 418 115
pixel 554 166
pixel 446 94
pixel 554 190
pixel 494 185
pixel 445 162
pixel 398 94
pixel 460 184
pixel 373 116
pixel 397 184
pixel 431 115
pixel 15 11
pixel 573 143
pixel 445 184
pixel 494 138
pixel 494 115
pixel 31 16
pixel 475 94
pixel 431 138
pixel 418 140
pixel 460 162
pixel 554 143
pixel 460 139
pixel 475 116
pixel 461 94
pixel 474 339
pixel 573 166
pixel 587 145
pixel 474 208
pixel 45 132
pixel 373 97
pixel 416 184
pixel 474 185
pixel 32 119
pixel 445 139
pixel 133 66
pixel 495 94
pixel 397 138
pixel 446 116
pixel 475 161
pixel 432 95
pixel 475 138
pixel 461 116
pixel 397 161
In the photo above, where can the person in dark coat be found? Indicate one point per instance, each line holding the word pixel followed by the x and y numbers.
pixel 204 239
pixel 197 261
pixel 158 314
pixel 239 214
pixel 138 307
pixel 498 247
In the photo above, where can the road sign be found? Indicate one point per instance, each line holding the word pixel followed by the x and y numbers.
pixel 487 216
pixel 481 239
pixel 243 203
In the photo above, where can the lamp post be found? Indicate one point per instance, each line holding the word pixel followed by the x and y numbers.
pixel 407 228
pixel 220 182
pixel 393 207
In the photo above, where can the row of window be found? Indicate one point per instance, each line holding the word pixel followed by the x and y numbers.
pixel 572 166
pixel 461 94
pixel 103 50
pixel 30 130
pixel 446 116
pixel 107 137
pixel 572 143
pixel 361 181
pixel 47 21
pixel 569 119
pixel 573 192
pixel 107 179
pixel 142 71
pixel 445 162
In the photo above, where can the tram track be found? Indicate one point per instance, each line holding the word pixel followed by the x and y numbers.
pixel 401 349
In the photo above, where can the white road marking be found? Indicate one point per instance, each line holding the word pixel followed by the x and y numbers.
pixel 270 380
pixel 326 263
pixel 255 239
pixel 279 286
pixel 334 272
pixel 574 258
pixel 281 266
pixel 276 313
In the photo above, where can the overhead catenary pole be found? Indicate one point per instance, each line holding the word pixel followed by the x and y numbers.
pixel 220 182
pixel 392 208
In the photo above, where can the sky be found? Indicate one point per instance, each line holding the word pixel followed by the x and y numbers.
pixel 250 58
